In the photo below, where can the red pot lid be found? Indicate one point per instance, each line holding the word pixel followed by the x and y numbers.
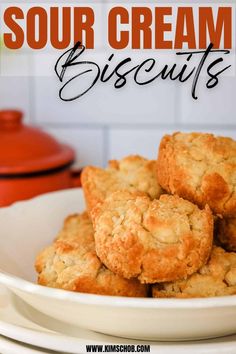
pixel 25 149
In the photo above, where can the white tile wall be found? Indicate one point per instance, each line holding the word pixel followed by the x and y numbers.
pixel 106 105
pixel 109 123
pixel 133 141
pixel 88 143
pixel 15 94
pixel 213 107
pixel 14 65
pixel 145 142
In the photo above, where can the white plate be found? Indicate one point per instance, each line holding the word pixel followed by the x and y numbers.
pixel 8 346
pixel 29 226
pixel 21 322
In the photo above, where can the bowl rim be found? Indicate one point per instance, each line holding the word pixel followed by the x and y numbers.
pixel 40 197
pixel 13 282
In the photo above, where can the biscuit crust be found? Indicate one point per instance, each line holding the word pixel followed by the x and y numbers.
pixel 226 233
pixel 200 168
pixel 71 263
pixel 216 278
pixel 133 173
pixel 155 241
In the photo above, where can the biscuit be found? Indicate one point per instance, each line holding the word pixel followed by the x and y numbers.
pixel 216 278
pixel 200 168
pixel 155 241
pixel 133 173
pixel 71 263
pixel 226 233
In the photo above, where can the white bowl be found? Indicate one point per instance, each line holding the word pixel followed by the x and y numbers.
pixel 27 227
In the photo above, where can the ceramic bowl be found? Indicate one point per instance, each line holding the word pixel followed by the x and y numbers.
pixel 27 227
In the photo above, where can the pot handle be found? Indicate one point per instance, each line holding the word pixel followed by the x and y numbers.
pixel 75 177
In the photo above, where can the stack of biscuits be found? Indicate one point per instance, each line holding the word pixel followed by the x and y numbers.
pixel 164 228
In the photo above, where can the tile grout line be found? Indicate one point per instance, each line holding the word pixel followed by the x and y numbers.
pixel 32 108
pixel 138 126
pixel 106 145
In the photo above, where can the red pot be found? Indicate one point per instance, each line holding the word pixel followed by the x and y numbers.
pixel 31 161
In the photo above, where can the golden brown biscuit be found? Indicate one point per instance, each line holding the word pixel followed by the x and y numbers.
pixel 216 278
pixel 200 168
pixel 133 173
pixel 71 263
pixel 156 241
pixel 226 233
